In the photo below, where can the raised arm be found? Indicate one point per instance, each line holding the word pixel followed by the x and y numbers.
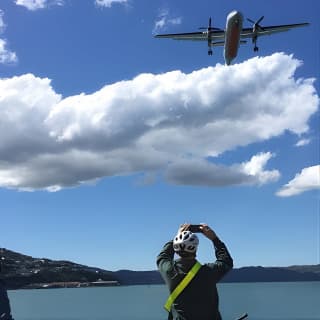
pixel 165 258
pixel 224 262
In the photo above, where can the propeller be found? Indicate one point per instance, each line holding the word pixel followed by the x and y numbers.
pixel 256 24
pixel 256 27
pixel 209 28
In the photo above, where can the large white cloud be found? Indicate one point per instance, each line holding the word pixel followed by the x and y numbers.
pixel 38 4
pixel 204 173
pixel 171 123
pixel 307 179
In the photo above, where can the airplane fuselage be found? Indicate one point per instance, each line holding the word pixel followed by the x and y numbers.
pixel 232 35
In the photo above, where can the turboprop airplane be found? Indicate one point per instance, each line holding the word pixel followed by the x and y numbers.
pixel 232 36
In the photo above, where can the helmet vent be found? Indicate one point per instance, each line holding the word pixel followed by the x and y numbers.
pixel 185 241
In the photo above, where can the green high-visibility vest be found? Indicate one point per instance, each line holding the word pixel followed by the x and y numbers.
pixel 180 287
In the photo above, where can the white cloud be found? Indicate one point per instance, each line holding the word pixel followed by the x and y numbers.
pixel 153 124
pixel 2 24
pixel 302 142
pixel 308 179
pixel 164 20
pixel 6 56
pixel 255 168
pixel 38 4
pixel 109 3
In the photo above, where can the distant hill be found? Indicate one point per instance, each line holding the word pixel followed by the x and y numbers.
pixel 246 274
pixel 274 274
pixel 22 271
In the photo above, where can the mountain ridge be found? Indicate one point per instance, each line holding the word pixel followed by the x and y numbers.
pixel 23 271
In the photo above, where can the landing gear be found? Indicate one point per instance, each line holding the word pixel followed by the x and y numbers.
pixel 254 41
pixel 209 43
pixel 256 28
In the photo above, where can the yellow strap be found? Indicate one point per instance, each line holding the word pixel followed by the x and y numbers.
pixel 179 288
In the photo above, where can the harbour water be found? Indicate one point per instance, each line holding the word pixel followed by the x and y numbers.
pixel 262 301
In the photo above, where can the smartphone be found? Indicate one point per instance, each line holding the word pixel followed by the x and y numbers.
pixel 195 228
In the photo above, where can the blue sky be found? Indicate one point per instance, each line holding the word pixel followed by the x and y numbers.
pixel 111 138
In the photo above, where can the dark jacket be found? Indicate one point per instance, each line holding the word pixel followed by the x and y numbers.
pixel 199 300
pixel 5 312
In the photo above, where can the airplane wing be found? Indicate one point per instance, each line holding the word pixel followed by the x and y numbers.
pixel 194 36
pixel 248 32
pixel 222 43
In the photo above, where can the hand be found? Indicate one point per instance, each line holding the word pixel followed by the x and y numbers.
pixel 207 231
pixel 184 227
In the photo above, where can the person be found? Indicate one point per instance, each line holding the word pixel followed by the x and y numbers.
pixel 199 299
pixel 5 311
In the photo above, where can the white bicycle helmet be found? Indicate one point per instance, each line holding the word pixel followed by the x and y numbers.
pixel 185 241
